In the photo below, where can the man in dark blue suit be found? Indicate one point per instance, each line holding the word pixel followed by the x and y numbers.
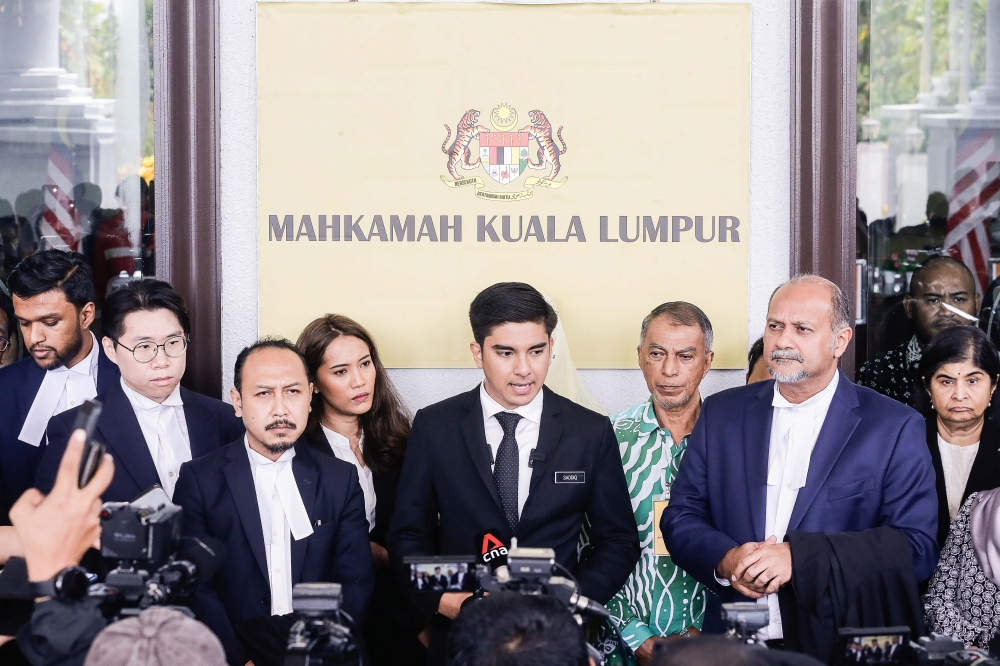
pixel 150 424
pixel 511 458
pixel 810 452
pixel 286 513
pixel 53 295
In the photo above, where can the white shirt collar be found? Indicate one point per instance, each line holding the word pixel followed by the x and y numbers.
pixel 815 403
pixel 88 365
pixel 532 411
pixel 258 459
pixel 341 442
pixel 141 402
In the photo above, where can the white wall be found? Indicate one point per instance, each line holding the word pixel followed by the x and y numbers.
pixel 616 389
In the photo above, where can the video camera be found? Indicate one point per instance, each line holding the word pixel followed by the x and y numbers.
pixel 532 571
pixel 155 566
pixel 320 635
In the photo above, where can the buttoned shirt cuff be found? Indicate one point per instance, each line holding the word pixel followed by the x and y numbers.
pixel 636 633
pixel 721 581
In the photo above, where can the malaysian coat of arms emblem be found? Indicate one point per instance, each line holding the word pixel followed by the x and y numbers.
pixel 505 155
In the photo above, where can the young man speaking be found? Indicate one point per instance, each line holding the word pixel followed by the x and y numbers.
pixel 513 459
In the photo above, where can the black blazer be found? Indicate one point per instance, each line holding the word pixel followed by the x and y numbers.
pixel 19 383
pixel 211 423
pixel 219 501
pixel 447 472
pixel 985 473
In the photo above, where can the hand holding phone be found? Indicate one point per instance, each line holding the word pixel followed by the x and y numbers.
pixel 93 451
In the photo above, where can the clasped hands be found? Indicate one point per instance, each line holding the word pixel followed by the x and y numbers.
pixel 758 568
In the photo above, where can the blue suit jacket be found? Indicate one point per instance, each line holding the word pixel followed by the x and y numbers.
pixel 870 467
pixel 19 383
pixel 211 424
pixel 219 500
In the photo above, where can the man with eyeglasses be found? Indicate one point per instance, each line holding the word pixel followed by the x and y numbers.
pixel 150 424
pixel 53 298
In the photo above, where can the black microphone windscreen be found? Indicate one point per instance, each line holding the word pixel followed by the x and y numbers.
pixel 206 553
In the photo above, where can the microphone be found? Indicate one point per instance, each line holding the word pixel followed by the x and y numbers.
pixel 490 549
pixel 565 591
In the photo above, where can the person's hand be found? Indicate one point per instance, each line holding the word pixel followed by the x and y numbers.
pixel 727 565
pixel 451 603
pixel 380 556
pixel 57 529
pixel 644 652
pixel 767 568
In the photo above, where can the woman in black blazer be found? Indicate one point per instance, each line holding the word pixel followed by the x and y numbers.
pixel 958 372
pixel 358 417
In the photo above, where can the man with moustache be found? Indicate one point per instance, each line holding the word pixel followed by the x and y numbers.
pixel 286 513
pixel 808 452
pixel 942 294
pixel 53 295
pixel 150 424
pixel 675 354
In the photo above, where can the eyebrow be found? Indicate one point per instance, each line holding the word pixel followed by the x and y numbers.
pixel 537 345
pixel 344 365
pixel 144 338
pixel 271 386
pixel 952 293
pixel 977 371
pixel 48 315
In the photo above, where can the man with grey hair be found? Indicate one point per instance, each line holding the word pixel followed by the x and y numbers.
pixel 675 354
pixel 807 452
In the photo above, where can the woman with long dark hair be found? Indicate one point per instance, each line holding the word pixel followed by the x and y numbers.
pixel 359 417
pixel 958 373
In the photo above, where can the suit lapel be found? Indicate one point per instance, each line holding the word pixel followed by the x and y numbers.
pixel 841 420
pixel 756 443
pixel 28 389
pixel 239 478
pixel 107 372
pixel 119 430
pixel 307 479
pixel 986 467
pixel 549 433
pixel 474 434
pixel 199 425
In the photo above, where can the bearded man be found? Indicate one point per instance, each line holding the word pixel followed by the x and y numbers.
pixel 53 295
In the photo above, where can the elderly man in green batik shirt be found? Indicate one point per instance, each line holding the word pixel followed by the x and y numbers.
pixel 660 600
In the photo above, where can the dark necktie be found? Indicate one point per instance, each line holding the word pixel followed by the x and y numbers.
pixel 505 470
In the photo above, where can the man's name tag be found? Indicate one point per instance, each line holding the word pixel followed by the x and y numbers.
pixel 659 547
pixel 571 477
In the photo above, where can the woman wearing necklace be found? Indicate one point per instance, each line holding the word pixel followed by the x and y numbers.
pixel 958 372
pixel 358 417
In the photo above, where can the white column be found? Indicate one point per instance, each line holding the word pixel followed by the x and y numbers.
pixel 29 32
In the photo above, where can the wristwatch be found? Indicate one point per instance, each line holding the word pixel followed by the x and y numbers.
pixel 71 583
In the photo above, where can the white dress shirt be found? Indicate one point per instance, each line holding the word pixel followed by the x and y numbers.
pixel 165 430
pixel 62 388
pixel 526 435
pixel 342 449
pixel 956 463
pixel 282 517
pixel 794 431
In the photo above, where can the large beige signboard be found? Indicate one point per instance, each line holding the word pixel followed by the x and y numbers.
pixel 412 154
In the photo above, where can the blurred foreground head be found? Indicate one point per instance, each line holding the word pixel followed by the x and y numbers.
pixel 156 637
pixel 509 629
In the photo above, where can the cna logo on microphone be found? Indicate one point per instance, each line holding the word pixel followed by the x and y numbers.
pixel 493 552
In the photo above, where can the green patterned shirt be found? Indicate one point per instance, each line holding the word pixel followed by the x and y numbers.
pixel 658 599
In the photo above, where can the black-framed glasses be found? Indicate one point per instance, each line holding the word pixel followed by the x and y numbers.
pixel 144 352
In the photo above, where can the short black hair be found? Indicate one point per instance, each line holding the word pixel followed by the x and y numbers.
pixel 509 303
pixel 708 650
pixel 954 345
pixel 145 294
pixel 508 629
pixel 756 351
pixel 265 343
pixel 54 269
